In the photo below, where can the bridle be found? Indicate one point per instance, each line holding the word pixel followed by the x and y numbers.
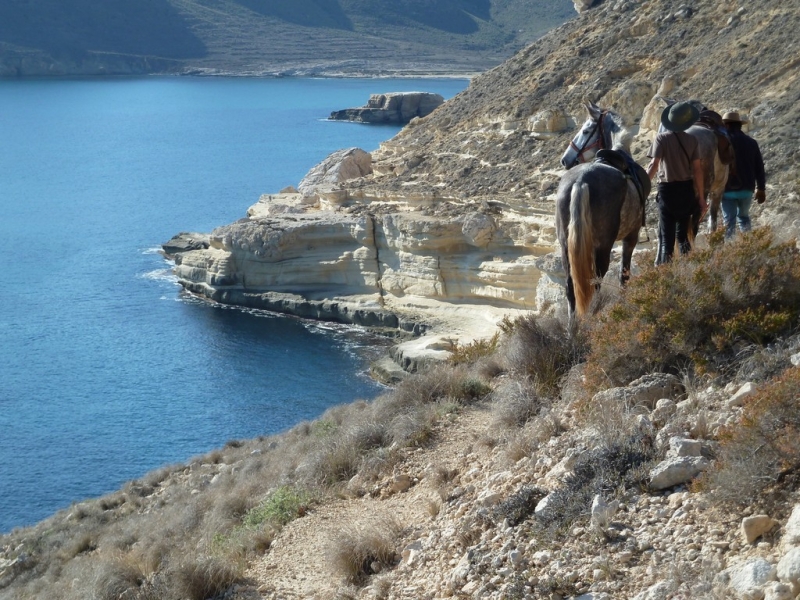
pixel 599 141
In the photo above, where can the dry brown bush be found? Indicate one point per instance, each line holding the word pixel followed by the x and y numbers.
pixel 515 402
pixel 763 448
pixel 543 349
pixel 355 550
pixel 698 312
pixel 205 577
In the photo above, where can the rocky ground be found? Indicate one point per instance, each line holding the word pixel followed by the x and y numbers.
pixel 459 512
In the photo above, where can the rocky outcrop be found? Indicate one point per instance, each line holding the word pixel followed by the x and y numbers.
pixel 370 267
pixel 328 176
pixel 396 108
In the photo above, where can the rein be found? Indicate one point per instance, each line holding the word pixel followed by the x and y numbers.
pixel 599 141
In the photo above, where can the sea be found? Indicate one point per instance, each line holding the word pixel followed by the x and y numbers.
pixel 107 369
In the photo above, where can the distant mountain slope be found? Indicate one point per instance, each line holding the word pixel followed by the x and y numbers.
pixel 314 37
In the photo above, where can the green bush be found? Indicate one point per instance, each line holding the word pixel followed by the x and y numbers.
pixel 279 508
pixel 699 310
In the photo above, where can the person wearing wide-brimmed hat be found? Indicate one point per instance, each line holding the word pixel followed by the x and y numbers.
pixel 745 177
pixel 676 159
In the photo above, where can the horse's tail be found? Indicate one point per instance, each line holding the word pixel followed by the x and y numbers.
pixel 580 247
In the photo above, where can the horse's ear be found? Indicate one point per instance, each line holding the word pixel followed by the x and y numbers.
pixel 594 110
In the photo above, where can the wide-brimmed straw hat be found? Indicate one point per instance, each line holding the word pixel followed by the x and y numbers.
pixel 732 117
pixel 679 116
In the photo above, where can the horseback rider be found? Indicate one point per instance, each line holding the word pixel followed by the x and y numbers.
pixel 675 158
pixel 745 177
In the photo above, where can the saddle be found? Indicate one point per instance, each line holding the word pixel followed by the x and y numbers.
pixel 625 164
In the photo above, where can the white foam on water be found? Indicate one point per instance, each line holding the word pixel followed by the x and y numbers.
pixel 160 275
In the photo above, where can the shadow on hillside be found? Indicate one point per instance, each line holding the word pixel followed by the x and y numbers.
pixel 72 27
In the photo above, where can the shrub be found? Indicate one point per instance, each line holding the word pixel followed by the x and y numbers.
pixel 468 354
pixel 697 311
pixel 514 403
pixel 282 506
pixel 543 349
pixel 763 448
pixel 205 578
pixel 360 550
pixel 439 382
pixel 603 471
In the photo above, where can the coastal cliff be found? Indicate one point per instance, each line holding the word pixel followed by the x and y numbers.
pixel 649 452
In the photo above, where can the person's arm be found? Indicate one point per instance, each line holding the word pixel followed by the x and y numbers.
pixel 761 195
pixel 652 168
pixel 699 183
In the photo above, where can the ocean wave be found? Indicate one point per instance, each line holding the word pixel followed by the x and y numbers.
pixel 160 275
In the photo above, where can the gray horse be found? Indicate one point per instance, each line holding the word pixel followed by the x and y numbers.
pixel 597 204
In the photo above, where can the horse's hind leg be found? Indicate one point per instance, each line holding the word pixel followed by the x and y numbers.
pixel 602 258
pixel 628 244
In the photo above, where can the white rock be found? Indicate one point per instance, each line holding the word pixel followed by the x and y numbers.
pixel 755 526
pixel 542 504
pixel 412 552
pixel 789 569
pixel 748 389
pixel 778 591
pixel 488 498
pixel 674 471
pixel 791 531
pixel 461 571
pixel 679 446
pixel 748 580
pixel 658 591
pixel 602 512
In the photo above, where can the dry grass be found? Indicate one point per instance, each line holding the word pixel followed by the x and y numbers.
pixel 542 349
pixel 515 402
pixel 362 549
pixel 205 577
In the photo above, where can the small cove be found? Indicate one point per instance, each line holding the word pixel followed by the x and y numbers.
pixel 108 370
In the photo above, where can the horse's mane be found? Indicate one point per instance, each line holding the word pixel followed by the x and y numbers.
pixel 621 138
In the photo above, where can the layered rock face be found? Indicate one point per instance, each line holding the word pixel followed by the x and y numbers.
pixel 395 108
pixel 368 265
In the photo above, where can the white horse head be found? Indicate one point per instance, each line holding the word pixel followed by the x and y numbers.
pixel 602 130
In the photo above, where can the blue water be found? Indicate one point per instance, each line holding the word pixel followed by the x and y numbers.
pixel 107 370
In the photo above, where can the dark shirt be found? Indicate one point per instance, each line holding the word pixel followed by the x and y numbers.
pixel 747 171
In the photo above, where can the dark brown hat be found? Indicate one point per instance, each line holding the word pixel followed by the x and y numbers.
pixel 679 116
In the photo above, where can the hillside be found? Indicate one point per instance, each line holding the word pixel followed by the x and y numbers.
pixel 650 453
pixel 256 37
pixel 494 140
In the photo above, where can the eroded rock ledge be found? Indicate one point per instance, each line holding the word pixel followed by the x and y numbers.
pixel 397 108
pixel 377 262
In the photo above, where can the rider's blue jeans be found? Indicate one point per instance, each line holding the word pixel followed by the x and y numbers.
pixel 736 207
